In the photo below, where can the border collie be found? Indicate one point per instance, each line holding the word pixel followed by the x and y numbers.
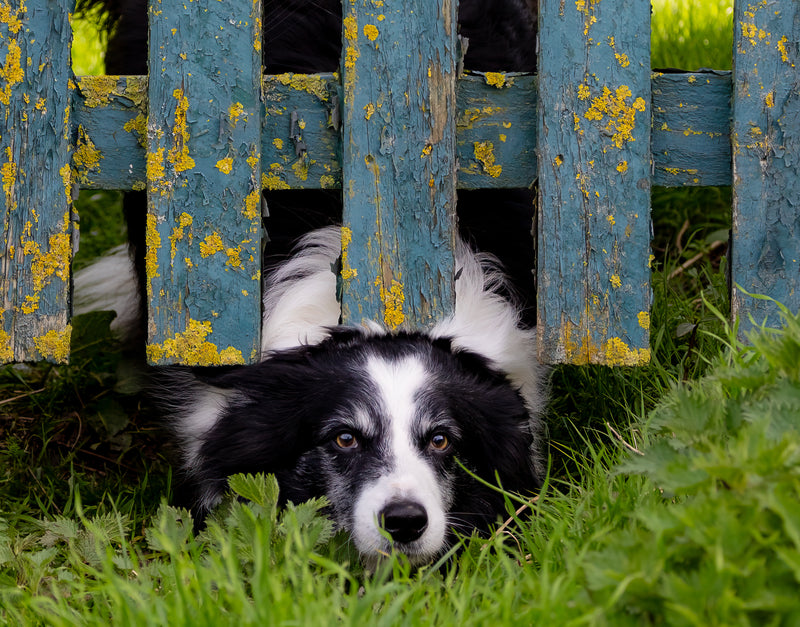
pixel 381 423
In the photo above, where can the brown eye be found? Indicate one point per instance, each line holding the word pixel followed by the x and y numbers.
pixel 346 440
pixel 439 442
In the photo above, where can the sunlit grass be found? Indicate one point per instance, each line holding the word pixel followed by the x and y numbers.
pixel 692 34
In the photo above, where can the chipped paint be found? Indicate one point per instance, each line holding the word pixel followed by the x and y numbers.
pixel 191 348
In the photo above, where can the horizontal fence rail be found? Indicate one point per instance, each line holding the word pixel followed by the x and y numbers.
pixel 597 128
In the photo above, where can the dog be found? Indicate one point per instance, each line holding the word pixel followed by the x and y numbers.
pixel 409 435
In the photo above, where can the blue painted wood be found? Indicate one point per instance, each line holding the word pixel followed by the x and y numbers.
pixel 496 131
pixel 399 165
pixel 203 178
pixel 766 152
pixel 594 182
pixel 111 112
pixel 691 140
pixel 36 180
pixel 690 135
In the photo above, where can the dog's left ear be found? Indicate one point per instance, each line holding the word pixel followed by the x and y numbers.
pixel 300 302
pixel 486 323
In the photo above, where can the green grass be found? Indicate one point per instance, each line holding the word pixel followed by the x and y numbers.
pixel 692 34
pixel 672 497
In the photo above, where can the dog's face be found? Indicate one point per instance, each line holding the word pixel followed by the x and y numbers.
pixel 375 424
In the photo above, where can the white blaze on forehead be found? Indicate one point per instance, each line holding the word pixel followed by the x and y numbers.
pixel 408 474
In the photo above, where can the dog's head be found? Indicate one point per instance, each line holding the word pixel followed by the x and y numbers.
pixel 382 424
pixel 375 423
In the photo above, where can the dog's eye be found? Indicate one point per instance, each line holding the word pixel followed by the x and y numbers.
pixel 439 442
pixel 346 440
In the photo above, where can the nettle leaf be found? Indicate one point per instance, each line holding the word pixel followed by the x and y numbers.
pixel 259 488
pixel 672 469
pixel 172 531
pixel 58 530
pixel 307 519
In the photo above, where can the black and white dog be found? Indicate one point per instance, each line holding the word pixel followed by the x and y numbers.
pixel 381 423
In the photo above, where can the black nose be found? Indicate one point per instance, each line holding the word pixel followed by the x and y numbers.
pixel 405 521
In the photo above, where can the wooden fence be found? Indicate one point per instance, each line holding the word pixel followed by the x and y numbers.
pixel 398 133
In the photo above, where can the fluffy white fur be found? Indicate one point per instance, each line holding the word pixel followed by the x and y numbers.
pixel 109 284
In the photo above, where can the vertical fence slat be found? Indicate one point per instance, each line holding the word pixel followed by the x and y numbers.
pixel 36 179
pixel 204 189
pixel 766 159
pixel 594 181
pixel 399 169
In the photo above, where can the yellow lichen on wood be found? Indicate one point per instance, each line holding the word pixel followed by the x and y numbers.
pixel 55 261
pixel 98 90
pixel 11 71
pixel 644 320
pixel 86 156
pixel 273 179
pixel 153 245
pixel 6 350
pixel 484 154
pixel 310 83
pixel 252 205
pixel 191 348
pixel 138 125
pixel 497 79
pixel 617 353
pixel 178 155
pixel 620 116
pixel 225 165
pixel 393 300
pixel 348 272
pixel 54 344
pixel 211 245
pixel 8 172
pixel 371 32
pixel 184 220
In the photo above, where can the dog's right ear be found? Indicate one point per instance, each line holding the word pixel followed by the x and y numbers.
pixel 300 302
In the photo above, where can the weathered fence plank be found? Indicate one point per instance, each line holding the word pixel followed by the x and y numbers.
pixel 594 182
pixel 204 190
pixel 398 161
pixel 690 135
pixel 36 200
pixel 766 159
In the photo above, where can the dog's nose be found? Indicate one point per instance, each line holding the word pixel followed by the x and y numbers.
pixel 405 521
